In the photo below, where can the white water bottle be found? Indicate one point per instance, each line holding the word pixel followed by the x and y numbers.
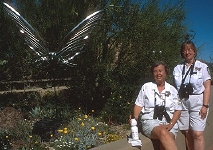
pixel 134 129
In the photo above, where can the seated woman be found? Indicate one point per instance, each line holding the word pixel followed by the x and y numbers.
pixel 160 108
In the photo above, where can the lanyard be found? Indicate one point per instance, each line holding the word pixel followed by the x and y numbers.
pixel 161 97
pixel 190 69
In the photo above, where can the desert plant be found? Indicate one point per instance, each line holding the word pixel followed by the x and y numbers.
pixel 42 112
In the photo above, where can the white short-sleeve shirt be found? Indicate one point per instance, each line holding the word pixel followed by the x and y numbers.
pixel 199 75
pixel 149 96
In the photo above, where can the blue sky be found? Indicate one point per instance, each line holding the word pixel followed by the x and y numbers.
pixel 199 18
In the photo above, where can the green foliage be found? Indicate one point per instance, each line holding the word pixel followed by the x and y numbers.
pixel 80 132
pixel 22 101
pixel 4 140
pixel 42 113
pixel 22 133
pixel 134 37
pixel 50 112
pixel 23 130
pixel 119 104
pixel 117 59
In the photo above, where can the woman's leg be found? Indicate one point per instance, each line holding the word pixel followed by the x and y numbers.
pixel 199 142
pixel 156 144
pixel 166 138
pixel 194 140
pixel 161 147
pixel 188 139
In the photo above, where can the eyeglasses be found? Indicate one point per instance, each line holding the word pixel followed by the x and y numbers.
pixel 188 50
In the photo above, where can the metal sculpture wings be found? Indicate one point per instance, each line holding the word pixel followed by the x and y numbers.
pixel 74 41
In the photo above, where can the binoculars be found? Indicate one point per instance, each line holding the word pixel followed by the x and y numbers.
pixel 159 112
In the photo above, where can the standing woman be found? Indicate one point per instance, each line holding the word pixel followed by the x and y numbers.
pixel 160 107
pixel 193 81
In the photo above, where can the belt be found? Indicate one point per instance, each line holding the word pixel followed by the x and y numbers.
pixel 196 94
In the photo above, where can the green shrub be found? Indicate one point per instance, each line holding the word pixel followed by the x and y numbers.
pixel 118 107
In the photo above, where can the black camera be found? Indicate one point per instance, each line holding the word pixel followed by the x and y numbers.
pixel 159 112
pixel 185 90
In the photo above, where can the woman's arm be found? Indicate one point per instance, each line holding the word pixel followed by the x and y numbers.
pixel 137 110
pixel 175 117
pixel 206 93
pixel 206 97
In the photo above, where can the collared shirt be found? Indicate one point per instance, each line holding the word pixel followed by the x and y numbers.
pixel 199 75
pixel 149 96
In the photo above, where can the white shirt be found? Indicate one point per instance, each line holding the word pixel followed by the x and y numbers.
pixel 200 75
pixel 149 96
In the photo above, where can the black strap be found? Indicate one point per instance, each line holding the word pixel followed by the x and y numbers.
pixel 191 72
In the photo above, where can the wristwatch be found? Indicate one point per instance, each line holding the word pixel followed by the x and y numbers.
pixel 207 106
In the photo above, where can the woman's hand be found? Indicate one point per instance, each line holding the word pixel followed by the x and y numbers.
pixel 130 119
pixel 168 126
pixel 203 112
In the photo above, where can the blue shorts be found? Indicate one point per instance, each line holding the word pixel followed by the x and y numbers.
pixel 149 124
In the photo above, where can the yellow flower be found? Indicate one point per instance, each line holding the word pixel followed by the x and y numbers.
pixel 92 128
pixel 79 119
pixel 85 116
pixel 99 133
pixel 60 131
pixel 82 124
pixel 65 132
pixel 30 136
pixel 65 129
pixel 88 146
pixel 76 139
pixel 6 136
pixel 93 111
pixel 51 135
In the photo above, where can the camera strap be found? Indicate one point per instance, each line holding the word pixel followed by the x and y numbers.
pixel 191 71
pixel 160 111
pixel 160 97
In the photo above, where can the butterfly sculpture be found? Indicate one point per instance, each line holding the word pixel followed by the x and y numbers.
pixel 74 41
